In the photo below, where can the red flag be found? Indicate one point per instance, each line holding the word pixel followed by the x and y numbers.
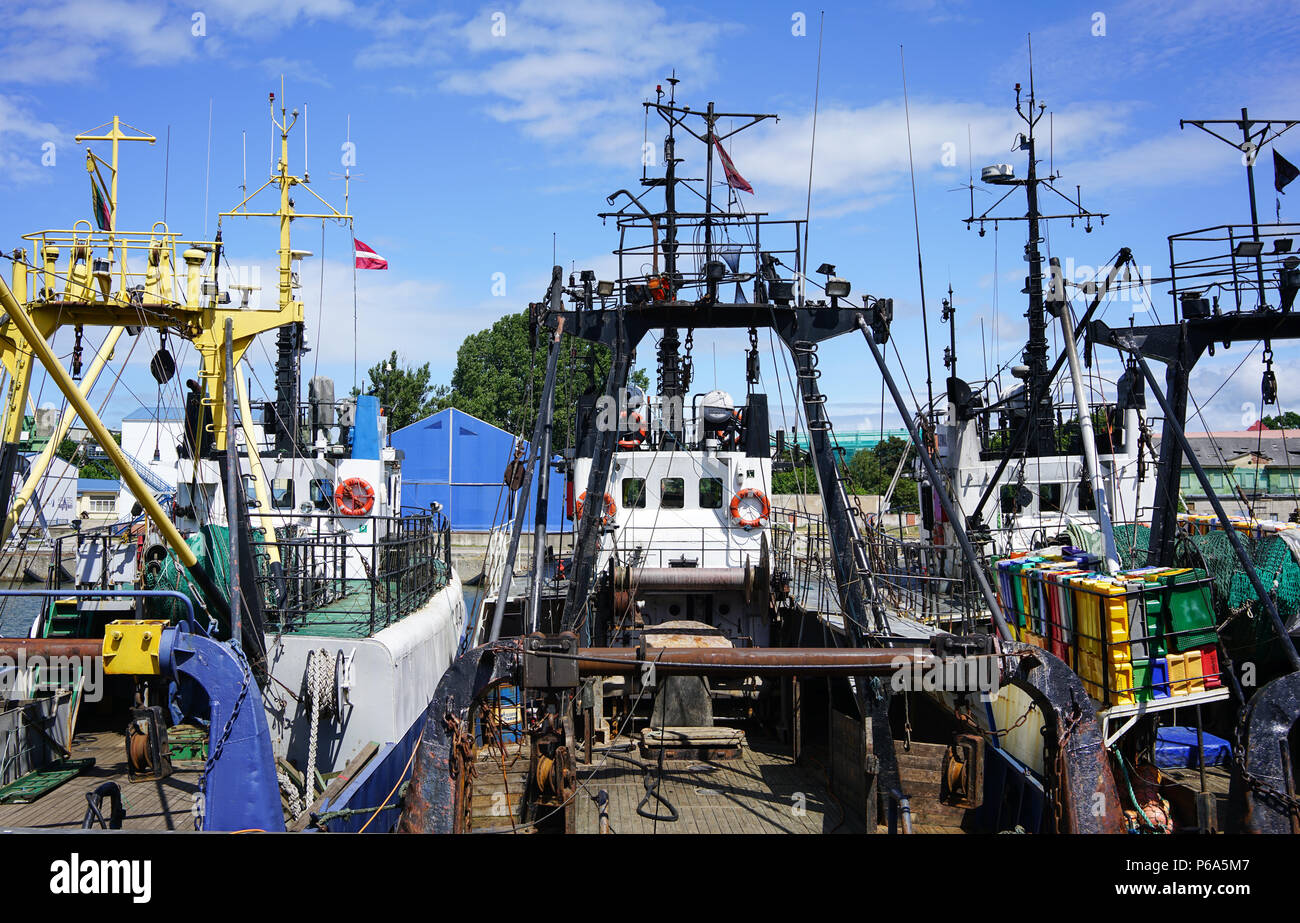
pixel 734 179
pixel 367 258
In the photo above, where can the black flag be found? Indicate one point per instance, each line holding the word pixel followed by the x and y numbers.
pixel 1283 171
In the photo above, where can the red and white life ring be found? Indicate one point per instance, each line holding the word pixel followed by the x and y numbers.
pixel 752 521
pixel 606 518
pixel 633 428
pixel 354 497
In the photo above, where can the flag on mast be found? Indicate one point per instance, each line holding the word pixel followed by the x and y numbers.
pixel 1283 171
pixel 368 258
pixel 99 205
pixel 734 179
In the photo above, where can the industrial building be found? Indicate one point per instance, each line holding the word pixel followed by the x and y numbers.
pixel 457 460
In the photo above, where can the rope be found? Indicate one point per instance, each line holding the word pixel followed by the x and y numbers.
pixel 320 695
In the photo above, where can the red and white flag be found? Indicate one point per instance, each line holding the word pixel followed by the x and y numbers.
pixel 367 258
pixel 734 179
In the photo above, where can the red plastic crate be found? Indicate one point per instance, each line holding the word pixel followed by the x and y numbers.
pixel 1210 666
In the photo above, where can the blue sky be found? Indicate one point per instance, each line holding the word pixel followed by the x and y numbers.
pixel 473 148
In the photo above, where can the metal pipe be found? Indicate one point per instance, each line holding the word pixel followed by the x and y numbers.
pixel 42 461
pixel 546 413
pixel 1022 430
pixel 232 490
pixel 118 594
pixel 1288 647
pixel 1100 500
pixel 972 559
pixel 752 661
pixel 51 647
pixel 259 473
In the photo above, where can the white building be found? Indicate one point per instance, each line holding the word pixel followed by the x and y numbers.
pixel 150 436
pixel 56 497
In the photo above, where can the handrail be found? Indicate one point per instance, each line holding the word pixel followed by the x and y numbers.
pixel 105 594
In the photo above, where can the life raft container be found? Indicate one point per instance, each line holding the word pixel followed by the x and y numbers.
pixel 354 497
pixel 606 518
pixel 634 430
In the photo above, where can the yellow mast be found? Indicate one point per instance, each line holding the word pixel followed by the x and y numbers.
pixel 194 308
pixel 115 135
pixel 42 462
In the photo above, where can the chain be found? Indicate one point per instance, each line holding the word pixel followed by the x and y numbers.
pixel 1259 788
pixel 993 736
pixel 688 364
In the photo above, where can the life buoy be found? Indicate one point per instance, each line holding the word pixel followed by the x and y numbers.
pixel 634 430
pixel 606 518
pixel 354 497
pixel 750 522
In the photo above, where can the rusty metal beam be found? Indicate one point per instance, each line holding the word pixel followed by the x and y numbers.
pixel 751 661
pixel 51 647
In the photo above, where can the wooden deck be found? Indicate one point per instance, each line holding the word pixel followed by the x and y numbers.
pixel 150 806
pixel 761 791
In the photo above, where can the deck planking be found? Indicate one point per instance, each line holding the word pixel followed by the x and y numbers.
pixel 160 805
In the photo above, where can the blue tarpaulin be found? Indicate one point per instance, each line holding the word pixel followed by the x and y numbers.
pixel 456 459
pixel 1176 746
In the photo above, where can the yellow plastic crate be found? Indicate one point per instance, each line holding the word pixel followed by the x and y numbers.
pixel 1186 675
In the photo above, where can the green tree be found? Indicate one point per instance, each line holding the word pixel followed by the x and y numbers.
pixel 1288 420
pixel 404 392
pixel 76 454
pixel 499 377
pixel 872 469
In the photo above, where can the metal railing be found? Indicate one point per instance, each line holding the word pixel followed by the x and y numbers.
pixel 929 583
pixel 363 579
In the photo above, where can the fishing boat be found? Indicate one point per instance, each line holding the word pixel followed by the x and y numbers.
pixel 258 641
pixel 709 662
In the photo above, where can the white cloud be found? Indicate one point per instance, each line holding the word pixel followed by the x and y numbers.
pixel 22 137
pixel 66 40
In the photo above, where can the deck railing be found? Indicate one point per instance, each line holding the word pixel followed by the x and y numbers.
pixel 363 578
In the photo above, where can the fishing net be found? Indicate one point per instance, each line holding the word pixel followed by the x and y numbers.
pixel 1234 594
pixel 211 545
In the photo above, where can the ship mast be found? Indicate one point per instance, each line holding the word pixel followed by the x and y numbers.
pixel 674 374
pixel 1036 373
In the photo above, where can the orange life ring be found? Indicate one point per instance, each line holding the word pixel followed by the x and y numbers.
pixel 354 497
pixel 605 519
pixel 761 518
pixel 633 437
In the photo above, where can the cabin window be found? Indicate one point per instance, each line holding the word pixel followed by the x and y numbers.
pixel 1008 499
pixel 710 493
pixel 282 493
pixel 672 493
pixel 322 493
pixel 1049 498
pixel 634 493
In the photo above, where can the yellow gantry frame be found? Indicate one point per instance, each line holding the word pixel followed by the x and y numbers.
pixel 37 310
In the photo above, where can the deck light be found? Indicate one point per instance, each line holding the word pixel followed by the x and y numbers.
pixel 838 288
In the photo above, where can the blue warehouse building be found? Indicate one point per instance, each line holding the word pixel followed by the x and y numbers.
pixel 456 459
